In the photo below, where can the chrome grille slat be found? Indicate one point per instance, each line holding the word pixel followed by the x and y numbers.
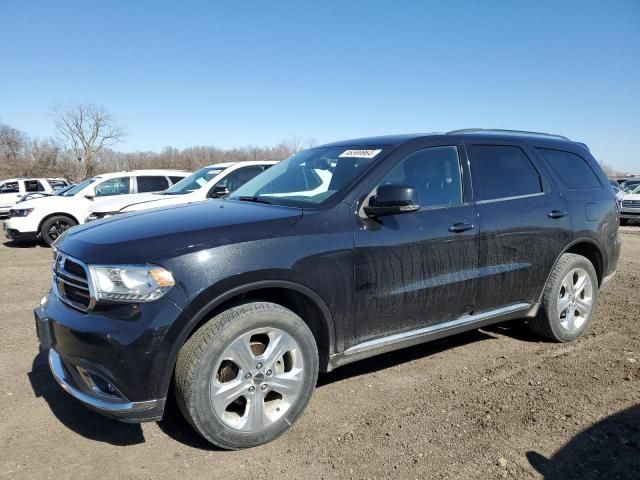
pixel 631 203
pixel 71 288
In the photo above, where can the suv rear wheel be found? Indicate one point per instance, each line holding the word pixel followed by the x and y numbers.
pixel 569 300
pixel 247 374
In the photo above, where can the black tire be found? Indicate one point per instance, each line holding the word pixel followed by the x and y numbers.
pixel 547 322
pixel 624 221
pixel 199 363
pixel 55 226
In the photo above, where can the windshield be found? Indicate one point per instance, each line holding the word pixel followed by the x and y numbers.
pixel 79 187
pixel 309 178
pixel 193 182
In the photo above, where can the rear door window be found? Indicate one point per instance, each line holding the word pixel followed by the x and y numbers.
pixel 152 183
pixel 33 186
pixel 504 171
pixel 573 171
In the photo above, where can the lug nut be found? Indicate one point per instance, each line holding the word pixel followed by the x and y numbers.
pixel 259 366
pixel 264 386
pixel 269 372
pixel 248 375
pixel 252 389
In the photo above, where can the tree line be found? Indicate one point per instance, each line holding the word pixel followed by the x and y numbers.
pixel 86 135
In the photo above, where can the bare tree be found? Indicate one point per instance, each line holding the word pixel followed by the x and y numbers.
pixel 12 141
pixel 87 129
pixel 611 171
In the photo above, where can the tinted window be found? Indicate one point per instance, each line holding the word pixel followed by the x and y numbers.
pixel 434 172
pixel 239 177
pixel 33 186
pixel 175 179
pixel 114 186
pixel 152 184
pixel 9 187
pixel 573 170
pixel 504 171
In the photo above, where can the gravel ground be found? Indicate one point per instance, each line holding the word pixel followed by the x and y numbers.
pixel 492 403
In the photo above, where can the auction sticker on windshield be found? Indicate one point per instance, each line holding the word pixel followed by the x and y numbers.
pixel 360 153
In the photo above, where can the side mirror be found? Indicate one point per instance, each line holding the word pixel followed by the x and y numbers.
pixel 393 200
pixel 218 192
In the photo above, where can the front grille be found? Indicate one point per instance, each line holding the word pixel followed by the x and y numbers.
pixel 75 268
pixel 631 203
pixel 71 280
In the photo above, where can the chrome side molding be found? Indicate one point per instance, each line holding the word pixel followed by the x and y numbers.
pixel 400 339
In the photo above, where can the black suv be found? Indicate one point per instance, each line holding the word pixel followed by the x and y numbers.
pixel 336 254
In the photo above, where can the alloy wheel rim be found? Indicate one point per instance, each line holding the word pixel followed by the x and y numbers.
pixel 575 299
pixel 57 228
pixel 257 379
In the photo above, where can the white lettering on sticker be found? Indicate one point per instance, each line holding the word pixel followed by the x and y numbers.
pixel 360 153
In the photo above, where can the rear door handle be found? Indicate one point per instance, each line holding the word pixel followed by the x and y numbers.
pixel 557 214
pixel 460 227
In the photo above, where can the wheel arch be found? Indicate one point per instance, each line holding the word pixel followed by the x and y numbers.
pixel 303 301
pixel 56 214
pixel 588 248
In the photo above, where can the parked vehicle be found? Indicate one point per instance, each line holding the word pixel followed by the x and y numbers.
pixel 214 181
pixel 630 205
pixel 48 217
pixel 629 185
pixel 240 302
pixel 13 189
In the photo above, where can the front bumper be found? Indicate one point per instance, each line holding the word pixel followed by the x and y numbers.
pixel 114 360
pixel 90 395
pixel 627 212
pixel 19 228
pixel 12 234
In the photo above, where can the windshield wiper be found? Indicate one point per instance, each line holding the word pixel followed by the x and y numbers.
pixel 254 199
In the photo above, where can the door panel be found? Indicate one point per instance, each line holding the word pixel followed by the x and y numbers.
pixel 520 235
pixel 413 270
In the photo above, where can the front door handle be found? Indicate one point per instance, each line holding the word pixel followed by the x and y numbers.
pixel 557 214
pixel 460 227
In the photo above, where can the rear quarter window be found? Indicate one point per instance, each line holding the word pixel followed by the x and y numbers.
pixel 573 171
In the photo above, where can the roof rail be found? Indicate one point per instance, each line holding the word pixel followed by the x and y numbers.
pixel 500 130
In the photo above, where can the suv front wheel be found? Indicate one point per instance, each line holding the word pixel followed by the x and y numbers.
pixel 569 300
pixel 247 374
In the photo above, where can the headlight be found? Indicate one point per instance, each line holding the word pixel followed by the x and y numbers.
pixel 20 212
pixel 130 283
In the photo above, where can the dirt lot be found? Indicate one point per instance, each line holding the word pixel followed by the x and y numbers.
pixel 488 404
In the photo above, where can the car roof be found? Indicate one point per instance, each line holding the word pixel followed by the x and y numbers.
pixel 31 178
pixel 489 133
pixel 145 172
pixel 244 162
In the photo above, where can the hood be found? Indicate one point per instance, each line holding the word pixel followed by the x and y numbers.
pixel 631 196
pixel 51 200
pixel 118 202
pixel 162 201
pixel 142 237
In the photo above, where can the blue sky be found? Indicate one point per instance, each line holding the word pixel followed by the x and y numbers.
pixel 237 73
